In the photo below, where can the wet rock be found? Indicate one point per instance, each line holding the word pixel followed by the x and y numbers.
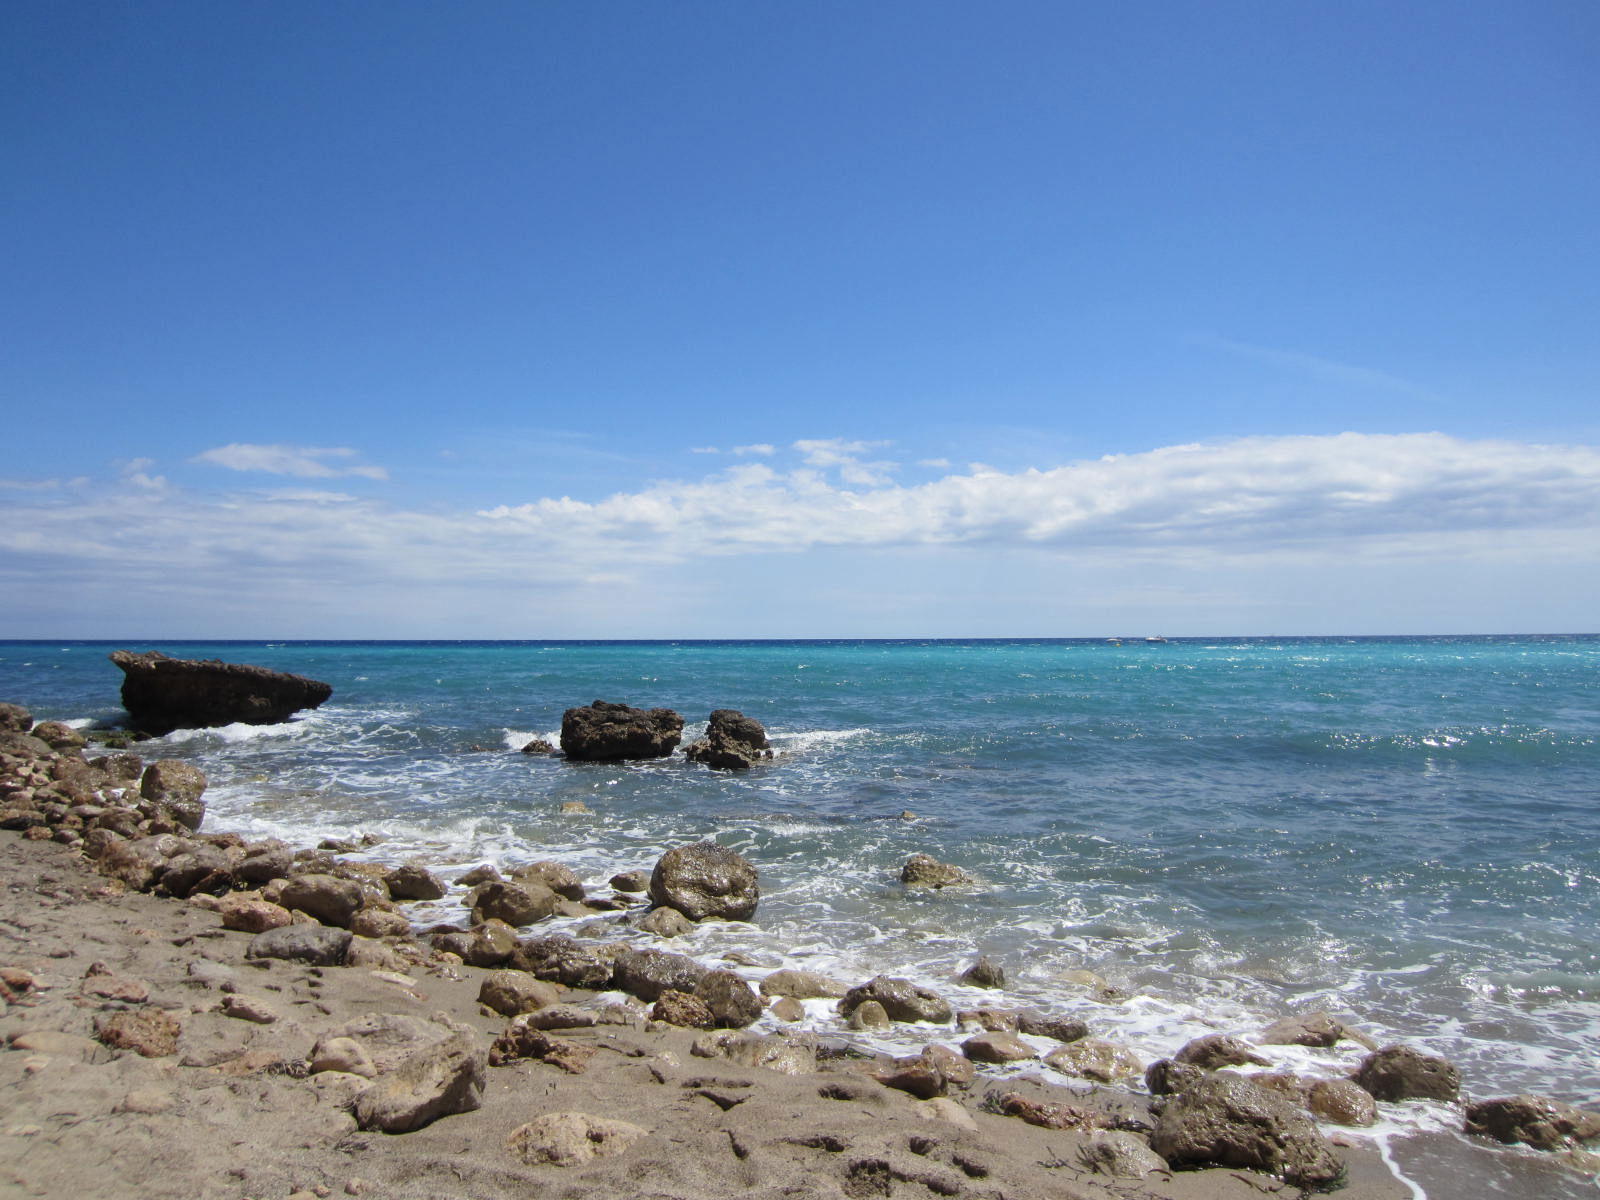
pixel 1401 1073
pixel 487 944
pixel 788 1009
pixel 514 903
pixel 1061 1029
pixel 869 1014
pixel 1165 1077
pixel 1092 1058
pixel 604 732
pixel 315 945
pixel 328 898
pixel 1341 1102
pixel 264 863
pixel 437 1082
pixel 563 881
pixel 732 1003
pixel 1225 1120
pixel 901 999
pixel 561 959
pixel 379 923
pixel 1217 1050
pixel 483 873
pixel 570 1138
pixel 706 880
pixel 1315 1029
pixel 732 742
pixel 1119 1155
pixel 1536 1121
pixel 647 973
pixel 511 993
pixel 537 745
pixel 998 1048
pixel 923 870
pixel 162 694
pixel 631 881
pixel 991 1020
pixel 985 973
pixel 681 1008
pixel 666 923
pixel 802 985
pixel 178 786
pixel 411 881
pixel 956 1067
pixel 149 1032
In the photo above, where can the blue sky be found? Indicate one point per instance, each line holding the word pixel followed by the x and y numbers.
pixel 755 319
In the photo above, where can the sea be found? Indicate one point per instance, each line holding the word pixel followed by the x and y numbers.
pixel 1404 831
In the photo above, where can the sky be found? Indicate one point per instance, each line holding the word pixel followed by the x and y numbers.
pixel 824 319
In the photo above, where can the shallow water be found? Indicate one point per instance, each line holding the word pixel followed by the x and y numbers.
pixel 1402 830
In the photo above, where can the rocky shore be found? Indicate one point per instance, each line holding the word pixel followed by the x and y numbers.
pixel 190 1014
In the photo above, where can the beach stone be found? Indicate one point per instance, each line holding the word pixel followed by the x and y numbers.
pixel 732 742
pixel 985 973
pixel 1536 1121
pixel 570 1138
pixel 59 736
pixel 328 898
pixel 520 1040
pixel 412 881
pixel 179 786
pixel 788 1009
pixel 785 1055
pixel 802 985
pixel 14 718
pixel 604 731
pixel 560 1016
pixel 390 1038
pixel 149 1032
pixel 1217 1050
pixel 562 959
pixel 483 873
pixel 1165 1077
pixel 958 1070
pixel 706 880
pixel 251 914
pixel 869 1014
pixel 998 1048
pixel 1316 1029
pixel 100 981
pixel 923 870
pixel 914 1075
pixel 162 694
pixel 437 1082
pixel 665 923
pixel 647 973
pixel 264 863
pixel 631 881
pixel 563 881
pixel 680 1008
pixel 514 903
pixel 341 1054
pixel 1048 1114
pixel 487 944
pixel 137 862
pixel 1342 1102
pixel 511 993
pixel 1119 1155
pixel 1401 1073
pixel 23 745
pixel 537 745
pixel 732 1002
pixel 991 1020
pixel 1092 1058
pixel 901 999
pixel 201 867
pixel 1227 1121
pixel 316 945
pixel 248 1008
pixel 380 923
pixel 1061 1029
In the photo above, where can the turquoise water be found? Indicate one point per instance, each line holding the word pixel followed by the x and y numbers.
pixel 1404 830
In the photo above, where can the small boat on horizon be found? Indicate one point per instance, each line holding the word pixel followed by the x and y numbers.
pixel 1156 639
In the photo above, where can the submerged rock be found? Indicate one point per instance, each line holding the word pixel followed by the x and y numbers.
pixel 732 742
pixel 1401 1073
pixel 901 999
pixel 1536 1121
pixel 923 870
pixel 162 694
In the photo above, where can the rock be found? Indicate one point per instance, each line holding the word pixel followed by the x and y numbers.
pixel 487 944
pixel 1091 1058
pixel 648 973
pixel 1217 1050
pixel 901 999
pixel 561 959
pixel 559 1016
pixel 563 881
pixel 343 1054
pixel 379 923
pixel 264 863
pixel 785 1055
pixel 631 881
pixel 202 868
pixel 732 742
pixel 99 981
pixel 1316 1029
pixel 666 923
pixel 985 973
pixel 511 993
pixel 537 745
pixel 514 903
pixel 59 736
pixel 788 1009
pixel 1227 1121
pixel 1165 1077
pixel 137 862
pixel 1061 1029
pixel 569 1138
pixel 802 985
pixel 23 745
pixel 869 1014
pixel 328 898
pixel 1048 1115
pixel 990 1020
pixel 162 694
pixel 59 1045
pixel 606 732
pixel 483 873
pixel 411 881
pixel 316 945
pixel 248 1008
pixel 1120 1156
pixel 391 1038
pixel 1342 1102
pixel 732 1003
pixel 1401 1073
pixel 437 1082
pixel 520 1040
pixel 923 870
pixel 998 1048
pixel 1536 1121
pixel 706 880
pixel 251 914
pixel 680 1008
pixel 915 1075
pixel 14 718
pixel 178 786
pixel 149 1032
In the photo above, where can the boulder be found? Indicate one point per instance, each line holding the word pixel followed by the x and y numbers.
pixel 1401 1073
pixel 149 1032
pixel 680 1008
pixel 178 786
pixel 1217 1050
pixel 647 973
pixel 706 880
pixel 901 999
pixel 139 862
pixel 440 1081
pixel 732 742
pixel 923 870
pixel 264 862
pixel 1119 1155
pixel 162 694
pixel 379 923
pixel 631 881
pixel 1225 1120
pixel 802 985
pixel 869 1015
pixel 340 1054
pixel 732 1003
pixel 569 1138
pixel 665 923
pixel 564 960
pixel 59 736
pixel 998 1048
pixel 411 881
pixel 199 868
pixel 511 993
pixel 1092 1058
pixel 1341 1102
pixel 315 945
pixel 15 719
pixel 606 732
pixel 514 903
pixel 1315 1029
pixel 985 973
pixel 328 898
pixel 1165 1077
pixel 563 881
pixel 251 914
pixel 1061 1029
pixel 1536 1121
pixel 487 944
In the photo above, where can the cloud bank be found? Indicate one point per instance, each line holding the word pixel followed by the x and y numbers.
pixel 305 462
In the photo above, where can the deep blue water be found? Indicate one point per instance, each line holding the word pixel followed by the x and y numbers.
pixel 1406 830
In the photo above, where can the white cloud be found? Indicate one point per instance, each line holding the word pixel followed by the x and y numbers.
pixel 704 450
pixel 763 448
pixel 305 462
